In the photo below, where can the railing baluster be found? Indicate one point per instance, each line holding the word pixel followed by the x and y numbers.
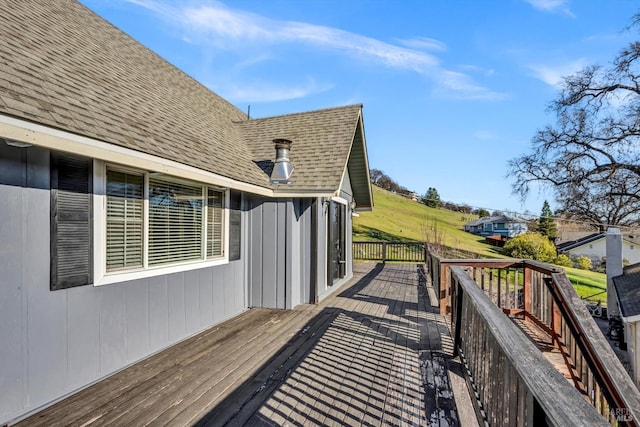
pixel 546 296
pixel 390 251
pixel 505 354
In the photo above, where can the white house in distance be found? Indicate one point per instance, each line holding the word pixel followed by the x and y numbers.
pixel 139 208
pixel 594 247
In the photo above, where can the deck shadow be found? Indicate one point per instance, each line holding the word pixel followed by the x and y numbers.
pixel 362 361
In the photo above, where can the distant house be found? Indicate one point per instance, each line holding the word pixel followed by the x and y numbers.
pixel 139 208
pixel 412 195
pixel 502 225
pixel 594 247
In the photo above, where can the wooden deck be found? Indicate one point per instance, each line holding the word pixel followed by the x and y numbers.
pixel 544 343
pixel 376 353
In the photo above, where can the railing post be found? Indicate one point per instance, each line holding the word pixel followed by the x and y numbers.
pixel 384 252
pixel 444 288
pixel 556 319
pixel 526 289
pixel 456 310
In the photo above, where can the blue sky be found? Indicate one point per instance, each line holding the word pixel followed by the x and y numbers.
pixel 452 89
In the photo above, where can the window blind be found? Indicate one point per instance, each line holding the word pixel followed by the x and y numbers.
pixel 215 224
pixel 175 222
pixel 125 224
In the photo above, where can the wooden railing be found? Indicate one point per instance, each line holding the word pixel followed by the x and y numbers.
pixel 511 379
pixel 541 294
pixel 389 251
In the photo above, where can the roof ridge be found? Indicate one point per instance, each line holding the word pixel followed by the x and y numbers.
pixel 319 110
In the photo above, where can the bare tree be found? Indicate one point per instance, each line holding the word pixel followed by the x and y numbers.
pixel 591 156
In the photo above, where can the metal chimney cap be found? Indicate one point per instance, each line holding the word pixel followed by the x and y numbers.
pixel 282 143
pixel 282 168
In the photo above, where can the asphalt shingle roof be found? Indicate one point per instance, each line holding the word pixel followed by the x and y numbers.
pixel 493 219
pixel 320 147
pixel 65 67
pixel 582 241
pixel 628 290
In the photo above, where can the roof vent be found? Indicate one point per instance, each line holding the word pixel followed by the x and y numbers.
pixel 282 168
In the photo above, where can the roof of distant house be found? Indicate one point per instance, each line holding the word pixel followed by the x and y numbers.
pixel 628 290
pixel 494 219
pixel 566 246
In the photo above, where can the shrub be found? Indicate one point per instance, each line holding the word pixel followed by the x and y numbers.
pixel 584 263
pixel 531 246
pixel 563 261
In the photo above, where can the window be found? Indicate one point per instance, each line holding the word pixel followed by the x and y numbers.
pixel 125 194
pixel 175 222
pixel 214 223
pixel 155 221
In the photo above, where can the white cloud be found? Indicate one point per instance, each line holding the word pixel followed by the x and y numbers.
pixel 424 43
pixel 223 27
pixel 265 92
pixel 556 6
pixel 474 68
pixel 461 86
pixel 554 75
pixel 253 60
pixel 238 26
pixel 484 134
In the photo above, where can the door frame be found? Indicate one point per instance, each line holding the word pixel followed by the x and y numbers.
pixel 337 245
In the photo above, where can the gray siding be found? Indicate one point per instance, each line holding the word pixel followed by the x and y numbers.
pixel 55 342
pixel 280 263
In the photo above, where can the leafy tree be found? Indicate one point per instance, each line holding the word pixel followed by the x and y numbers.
pixel 584 263
pixel 589 157
pixel 547 223
pixel 531 246
pixel 563 260
pixel 431 198
pixel 483 212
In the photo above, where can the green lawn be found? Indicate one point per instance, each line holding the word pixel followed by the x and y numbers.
pixel 588 283
pixel 396 218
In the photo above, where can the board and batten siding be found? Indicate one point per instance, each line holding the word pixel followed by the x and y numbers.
pixel 280 252
pixel 56 342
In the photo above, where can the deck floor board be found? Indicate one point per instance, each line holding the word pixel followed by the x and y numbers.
pixel 375 353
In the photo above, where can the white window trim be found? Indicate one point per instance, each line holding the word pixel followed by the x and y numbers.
pixel 340 200
pixel 101 276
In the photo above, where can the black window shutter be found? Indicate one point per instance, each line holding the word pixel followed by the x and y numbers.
pixel 235 225
pixel 71 222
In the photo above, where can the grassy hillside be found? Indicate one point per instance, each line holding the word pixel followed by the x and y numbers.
pixel 588 284
pixel 397 218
